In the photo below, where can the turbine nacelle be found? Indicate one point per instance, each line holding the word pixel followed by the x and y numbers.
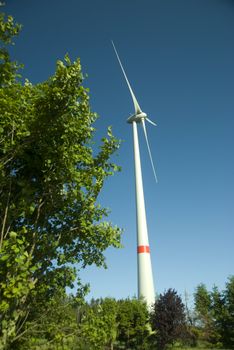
pixel 136 117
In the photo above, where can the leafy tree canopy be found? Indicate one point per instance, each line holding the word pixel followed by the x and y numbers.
pixel 215 314
pixel 50 179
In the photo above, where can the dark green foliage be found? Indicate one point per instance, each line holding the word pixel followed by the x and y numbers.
pixel 168 319
pixel 215 315
pixel 228 324
pixel 203 306
pixel 133 325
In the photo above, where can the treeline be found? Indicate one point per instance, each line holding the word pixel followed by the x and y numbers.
pixel 109 324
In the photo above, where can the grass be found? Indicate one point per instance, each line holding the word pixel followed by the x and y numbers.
pixel 196 348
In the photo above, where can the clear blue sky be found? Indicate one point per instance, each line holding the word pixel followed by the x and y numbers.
pixel 179 57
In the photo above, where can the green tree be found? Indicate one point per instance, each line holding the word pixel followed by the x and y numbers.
pixel 228 315
pixel 133 325
pixel 8 69
pixel 218 314
pixel 51 174
pixel 97 325
pixel 207 306
pixel 168 319
pixel 202 301
pixel 110 324
pixel 215 313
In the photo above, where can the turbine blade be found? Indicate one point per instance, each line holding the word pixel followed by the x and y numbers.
pixel 150 121
pixel 136 104
pixel 148 146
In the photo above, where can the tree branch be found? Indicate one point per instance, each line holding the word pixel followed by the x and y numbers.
pixel 5 217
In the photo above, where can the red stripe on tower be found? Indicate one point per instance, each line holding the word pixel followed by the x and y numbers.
pixel 143 249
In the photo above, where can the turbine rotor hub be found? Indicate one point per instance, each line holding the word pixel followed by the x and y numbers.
pixel 136 117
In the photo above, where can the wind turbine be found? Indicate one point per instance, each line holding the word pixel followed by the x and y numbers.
pixel 144 267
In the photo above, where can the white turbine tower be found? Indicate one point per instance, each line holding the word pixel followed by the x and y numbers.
pixel 145 275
